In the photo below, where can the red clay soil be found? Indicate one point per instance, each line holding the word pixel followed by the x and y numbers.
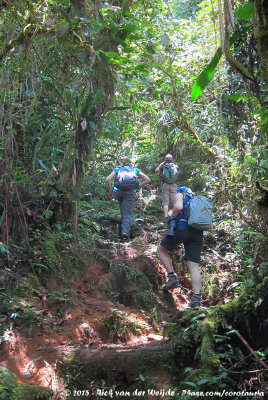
pixel 31 351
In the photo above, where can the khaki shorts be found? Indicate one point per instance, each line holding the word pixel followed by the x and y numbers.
pixel 168 193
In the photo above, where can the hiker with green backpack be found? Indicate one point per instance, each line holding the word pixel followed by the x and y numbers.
pixel 191 215
pixel 169 172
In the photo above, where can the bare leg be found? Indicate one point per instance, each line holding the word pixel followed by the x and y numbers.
pixel 195 276
pixel 165 258
pixel 165 209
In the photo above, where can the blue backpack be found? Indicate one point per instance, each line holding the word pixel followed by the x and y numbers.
pixel 188 195
pixel 126 178
pixel 197 210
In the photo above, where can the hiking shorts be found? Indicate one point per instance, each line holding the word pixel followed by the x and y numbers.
pixel 168 193
pixel 192 240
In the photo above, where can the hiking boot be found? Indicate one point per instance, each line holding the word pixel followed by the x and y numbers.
pixel 195 301
pixel 172 282
pixel 125 236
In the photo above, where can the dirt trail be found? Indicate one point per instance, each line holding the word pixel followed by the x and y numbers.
pixel 31 350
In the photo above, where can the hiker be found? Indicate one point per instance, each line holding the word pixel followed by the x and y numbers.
pixel 170 174
pixel 125 186
pixel 192 239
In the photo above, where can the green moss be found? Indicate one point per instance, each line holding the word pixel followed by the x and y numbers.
pixel 210 360
pixel 186 334
pixel 52 247
pixel 211 286
pixel 145 299
pixel 31 392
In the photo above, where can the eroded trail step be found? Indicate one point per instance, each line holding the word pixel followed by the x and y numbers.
pixel 121 368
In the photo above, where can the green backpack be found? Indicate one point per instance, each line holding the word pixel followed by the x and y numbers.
pixel 170 173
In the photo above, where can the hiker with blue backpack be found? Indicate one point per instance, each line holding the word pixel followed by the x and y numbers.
pixel 126 184
pixel 169 173
pixel 191 215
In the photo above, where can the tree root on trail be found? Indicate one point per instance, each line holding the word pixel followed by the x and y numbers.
pixel 118 366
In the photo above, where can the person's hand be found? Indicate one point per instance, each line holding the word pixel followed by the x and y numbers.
pixel 110 194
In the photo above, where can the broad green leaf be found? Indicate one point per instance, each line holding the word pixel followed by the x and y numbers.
pixel 206 75
pixel 245 12
pixel 204 78
pixel 111 54
pixel 250 160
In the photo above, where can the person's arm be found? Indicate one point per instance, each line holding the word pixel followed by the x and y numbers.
pixel 178 204
pixel 158 169
pixel 108 183
pixel 145 179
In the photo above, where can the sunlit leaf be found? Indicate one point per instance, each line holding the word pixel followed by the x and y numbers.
pixel 206 75
pixel 204 78
pixel 246 11
pixel 111 54
pixel 250 160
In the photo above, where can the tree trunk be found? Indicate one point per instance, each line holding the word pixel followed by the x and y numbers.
pixel 261 34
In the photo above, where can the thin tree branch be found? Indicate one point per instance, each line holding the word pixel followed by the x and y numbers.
pixel 251 350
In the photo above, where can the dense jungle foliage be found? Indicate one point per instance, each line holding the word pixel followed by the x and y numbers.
pixel 83 83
